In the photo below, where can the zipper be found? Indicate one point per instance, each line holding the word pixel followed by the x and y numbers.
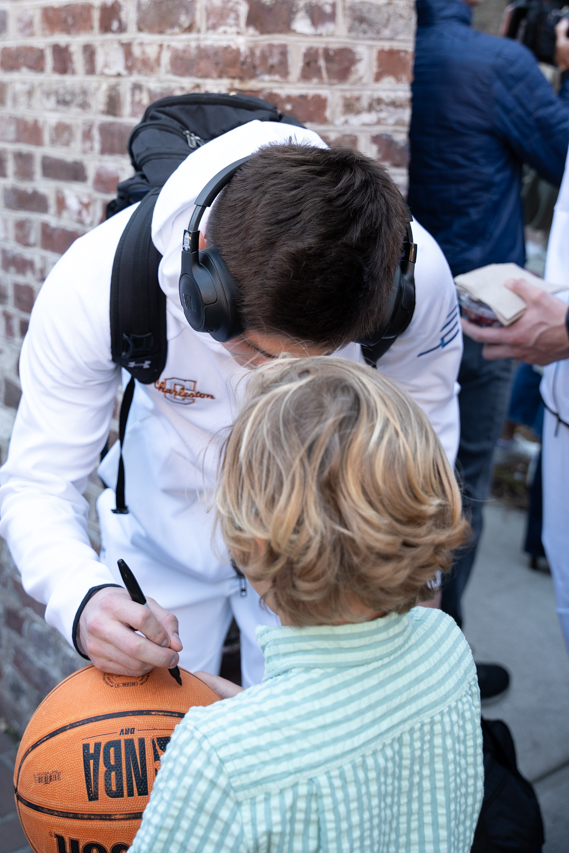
pixel 192 140
pixel 242 579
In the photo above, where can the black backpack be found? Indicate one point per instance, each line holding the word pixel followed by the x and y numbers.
pixel 510 819
pixel 170 129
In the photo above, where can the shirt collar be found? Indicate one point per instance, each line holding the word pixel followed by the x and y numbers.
pixel 332 646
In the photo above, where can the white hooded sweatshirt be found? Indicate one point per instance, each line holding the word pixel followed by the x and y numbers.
pixel 69 384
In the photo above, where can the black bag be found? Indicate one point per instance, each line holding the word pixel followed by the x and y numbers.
pixel 173 127
pixel 510 819
pixel 170 130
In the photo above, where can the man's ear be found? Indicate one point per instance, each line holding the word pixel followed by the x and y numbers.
pixel 203 242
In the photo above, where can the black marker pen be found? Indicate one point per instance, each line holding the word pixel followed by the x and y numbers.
pixel 138 596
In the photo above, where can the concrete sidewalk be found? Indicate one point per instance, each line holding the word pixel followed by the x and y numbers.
pixel 510 619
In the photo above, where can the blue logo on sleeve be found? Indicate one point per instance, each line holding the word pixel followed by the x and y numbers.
pixel 448 332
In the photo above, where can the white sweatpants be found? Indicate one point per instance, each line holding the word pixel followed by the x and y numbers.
pixel 203 608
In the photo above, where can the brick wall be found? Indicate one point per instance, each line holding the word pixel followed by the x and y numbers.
pixel 74 79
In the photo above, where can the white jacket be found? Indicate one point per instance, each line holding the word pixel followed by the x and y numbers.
pixel 555 383
pixel 69 384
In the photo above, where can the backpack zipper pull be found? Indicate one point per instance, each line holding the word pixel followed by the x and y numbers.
pixel 194 141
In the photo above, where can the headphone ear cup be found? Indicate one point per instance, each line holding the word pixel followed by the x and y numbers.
pixel 209 295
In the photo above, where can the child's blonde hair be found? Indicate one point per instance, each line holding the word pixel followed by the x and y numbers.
pixel 341 476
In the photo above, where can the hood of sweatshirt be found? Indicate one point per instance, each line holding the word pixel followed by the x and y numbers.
pixel 176 200
pixel 431 12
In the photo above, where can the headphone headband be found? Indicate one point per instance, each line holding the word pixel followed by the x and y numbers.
pixel 210 295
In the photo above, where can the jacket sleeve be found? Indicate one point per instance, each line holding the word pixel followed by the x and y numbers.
pixel 425 359
pixel 69 384
pixel 529 116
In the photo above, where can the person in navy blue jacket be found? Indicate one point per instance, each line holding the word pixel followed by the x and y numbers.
pixel 481 109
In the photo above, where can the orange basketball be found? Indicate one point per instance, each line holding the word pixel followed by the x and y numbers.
pixel 88 758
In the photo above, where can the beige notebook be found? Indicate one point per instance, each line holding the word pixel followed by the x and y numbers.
pixel 486 284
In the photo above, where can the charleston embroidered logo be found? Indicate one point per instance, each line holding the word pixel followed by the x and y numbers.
pixel 181 391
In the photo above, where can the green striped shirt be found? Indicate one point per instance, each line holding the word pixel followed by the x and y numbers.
pixel 360 738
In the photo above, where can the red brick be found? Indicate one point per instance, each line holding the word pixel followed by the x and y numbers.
pixel 223 15
pixel 24 297
pixel 66 95
pixel 16 198
pixel 3 164
pixel 390 151
pixel 25 232
pixel 389 108
pixel 312 65
pixel 383 20
pixel 283 16
pixel 142 58
pixel 25 23
pixel 113 102
pixel 23 95
pixel 114 137
pixel 72 19
pixel 24 166
pixel 343 140
pixel 315 18
pixel 111 18
pixel 61 134
pixel 89 58
pixel 334 65
pixel 18 263
pixel 62 59
pixel 3 22
pixel 13 129
pixel 71 205
pixel 29 131
pixel 216 61
pixel 106 180
pixel 393 63
pixel 23 56
pixel 57 239
pixel 167 16
pixel 306 108
pixel 10 332
pixel 24 327
pixel 87 139
pixel 63 170
pixel 141 96
pixel 274 16
pixel 340 63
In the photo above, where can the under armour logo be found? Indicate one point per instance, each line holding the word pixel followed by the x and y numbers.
pixel 145 366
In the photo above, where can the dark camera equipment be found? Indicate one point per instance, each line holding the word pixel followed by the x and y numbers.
pixel 533 22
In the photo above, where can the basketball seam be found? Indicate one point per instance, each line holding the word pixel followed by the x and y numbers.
pixel 79 815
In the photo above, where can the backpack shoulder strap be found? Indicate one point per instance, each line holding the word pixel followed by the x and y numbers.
pixel 139 342
pixel 138 303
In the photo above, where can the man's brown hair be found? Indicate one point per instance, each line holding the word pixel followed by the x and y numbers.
pixel 334 486
pixel 313 236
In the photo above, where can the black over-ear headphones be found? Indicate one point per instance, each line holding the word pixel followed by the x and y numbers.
pixel 209 294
